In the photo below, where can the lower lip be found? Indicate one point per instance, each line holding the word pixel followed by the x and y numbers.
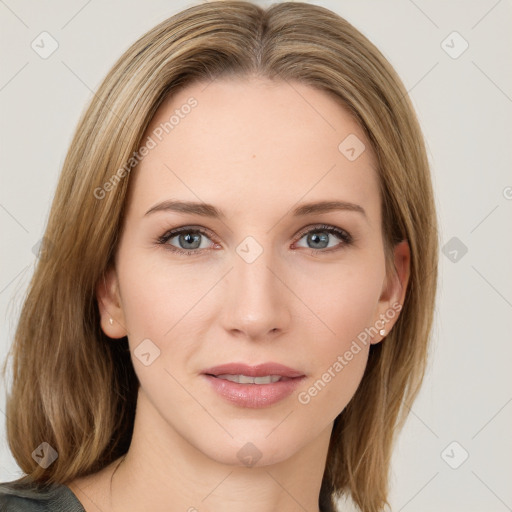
pixel 254 396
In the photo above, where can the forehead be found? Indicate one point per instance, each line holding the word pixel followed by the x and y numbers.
pixel 246 144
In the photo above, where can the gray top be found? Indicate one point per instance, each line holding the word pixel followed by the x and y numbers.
pixel 15 497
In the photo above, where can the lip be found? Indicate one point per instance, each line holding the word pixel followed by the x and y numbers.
pixel 259 370
pixel 253 396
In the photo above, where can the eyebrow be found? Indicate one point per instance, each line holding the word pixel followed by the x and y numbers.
pixel 208 210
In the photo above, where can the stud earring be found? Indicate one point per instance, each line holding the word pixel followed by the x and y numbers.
pixel 382 332
pixel 110 321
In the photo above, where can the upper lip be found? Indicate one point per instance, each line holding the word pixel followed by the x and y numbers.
pixel 259 370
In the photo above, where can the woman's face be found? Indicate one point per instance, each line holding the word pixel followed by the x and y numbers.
pixel 264 279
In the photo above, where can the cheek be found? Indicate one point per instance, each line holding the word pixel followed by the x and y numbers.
pixel 155 305
pixel 339 363
pixel 156 296
pixel 161 303
pixel 345 306
pixel 344 298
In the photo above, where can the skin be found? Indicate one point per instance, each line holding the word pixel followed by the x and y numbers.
pixel 255 149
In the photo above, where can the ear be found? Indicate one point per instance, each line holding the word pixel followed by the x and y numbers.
pixel 393 291
pixel 110 305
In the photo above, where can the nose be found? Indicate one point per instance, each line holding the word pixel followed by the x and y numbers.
pixel 257 300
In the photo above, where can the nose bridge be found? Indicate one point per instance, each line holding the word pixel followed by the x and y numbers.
pixel 252 266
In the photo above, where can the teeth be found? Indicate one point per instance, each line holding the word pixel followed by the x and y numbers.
pixel 244 379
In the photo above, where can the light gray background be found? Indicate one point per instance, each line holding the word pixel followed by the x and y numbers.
pixel 464 105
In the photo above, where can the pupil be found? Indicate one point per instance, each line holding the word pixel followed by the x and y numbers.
pixel 319 238
pixel 189 239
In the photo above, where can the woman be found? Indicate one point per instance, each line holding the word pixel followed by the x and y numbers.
pixel 240 287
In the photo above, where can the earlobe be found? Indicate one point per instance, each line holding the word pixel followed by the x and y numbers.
pixel 394 290
pixel 109 303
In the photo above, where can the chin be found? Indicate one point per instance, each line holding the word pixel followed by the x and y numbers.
pixel 255 450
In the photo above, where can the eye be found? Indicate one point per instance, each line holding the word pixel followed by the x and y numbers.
pixel 320 237
pixel 188 240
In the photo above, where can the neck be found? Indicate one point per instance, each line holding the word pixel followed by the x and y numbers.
pixel 163 471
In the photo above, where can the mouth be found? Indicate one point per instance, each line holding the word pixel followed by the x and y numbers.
pixel 245 379
pixel 265 373
pixel 253 386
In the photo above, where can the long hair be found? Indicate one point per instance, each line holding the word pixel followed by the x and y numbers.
pixel 76 390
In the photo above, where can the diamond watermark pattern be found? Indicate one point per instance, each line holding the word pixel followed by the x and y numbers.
pixel 454 45
pixel 351 147
pixel 454 249
pixel 43 249
pixel 146 352
pixel 44 45
pixel 454 455
pixel 44 455
pixel 249 454
pixel 249 249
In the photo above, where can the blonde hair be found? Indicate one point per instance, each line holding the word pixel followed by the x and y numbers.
pixel 72 386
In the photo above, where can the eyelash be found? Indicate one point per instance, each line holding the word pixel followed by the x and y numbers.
pixel 343 235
